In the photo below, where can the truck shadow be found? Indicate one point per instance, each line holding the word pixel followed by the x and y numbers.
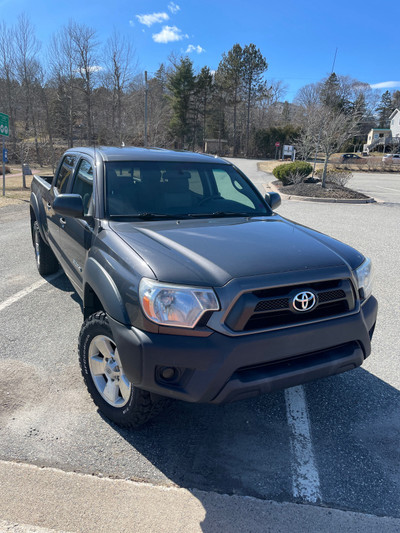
pixel 62 283
pixel 244 448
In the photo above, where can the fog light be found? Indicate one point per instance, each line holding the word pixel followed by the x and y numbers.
pixel 168 373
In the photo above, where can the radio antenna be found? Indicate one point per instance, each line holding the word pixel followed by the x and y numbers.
pixel 334 61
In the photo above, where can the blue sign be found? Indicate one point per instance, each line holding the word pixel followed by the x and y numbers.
pixel 5 155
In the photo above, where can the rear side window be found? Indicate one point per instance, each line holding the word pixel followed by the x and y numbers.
pixel 64 173
pixel 83 184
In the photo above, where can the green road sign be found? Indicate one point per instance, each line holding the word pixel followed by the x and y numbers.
pixel 4 126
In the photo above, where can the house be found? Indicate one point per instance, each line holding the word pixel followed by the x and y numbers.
pixel 385 137
pixel 215 146
pixel 377 134
pixel 395 123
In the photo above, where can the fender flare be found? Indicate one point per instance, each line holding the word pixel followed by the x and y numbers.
pixel 39 215
pixel 106 290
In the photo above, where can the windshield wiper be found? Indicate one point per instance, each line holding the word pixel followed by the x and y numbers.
pixel 217 214
pixel 151 215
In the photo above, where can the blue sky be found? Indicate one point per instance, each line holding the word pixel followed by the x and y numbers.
pixel 297 38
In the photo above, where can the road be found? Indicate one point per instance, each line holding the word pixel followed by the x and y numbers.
pixel 384 187
pixel 350 426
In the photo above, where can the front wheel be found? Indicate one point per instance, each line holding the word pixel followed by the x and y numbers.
pixel 116 397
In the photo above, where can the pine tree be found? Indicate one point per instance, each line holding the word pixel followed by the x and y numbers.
pixel 230 75
pixel 385 109
pixel 204 85
pixel 254 66
pixel 181 85
pixel 331 94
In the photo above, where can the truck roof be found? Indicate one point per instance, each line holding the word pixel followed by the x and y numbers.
pixel 133 153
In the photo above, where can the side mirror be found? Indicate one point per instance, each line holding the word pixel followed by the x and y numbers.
pixel 69 205
pixel 273 199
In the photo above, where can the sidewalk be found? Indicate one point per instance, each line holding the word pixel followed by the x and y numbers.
pixel 39 500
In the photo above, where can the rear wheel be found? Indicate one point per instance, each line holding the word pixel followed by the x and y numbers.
pixel 46 261
pixel 116 397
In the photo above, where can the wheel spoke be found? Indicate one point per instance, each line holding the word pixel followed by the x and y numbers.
pixel 97 365
pixel 116 357
pixel 124 387
pixel 111 391
pixel 104 346
pixel 107 372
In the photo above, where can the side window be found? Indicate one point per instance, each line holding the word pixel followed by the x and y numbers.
pixel 230 189
pixel 64 173
pixel 83 184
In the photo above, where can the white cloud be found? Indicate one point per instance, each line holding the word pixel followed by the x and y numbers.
pixel 94 68
pixel 385 85
pixel 152 18
pixel 169 34
pixel 174 8
pixel 192 48
pixel 131 23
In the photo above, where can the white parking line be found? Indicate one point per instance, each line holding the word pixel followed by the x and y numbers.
pixel 387 188
pixel 306 484
pixel 28 290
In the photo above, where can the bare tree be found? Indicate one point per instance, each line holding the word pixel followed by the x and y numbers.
pixel 7 67
pixel 84 48
pixel 26 51
pixel 159 109
pixel 308 96
pixel 335 128
pixel 119 72
pixel 307 141
pixel 64 73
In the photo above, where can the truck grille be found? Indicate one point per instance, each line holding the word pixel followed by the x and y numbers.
pixel 273 307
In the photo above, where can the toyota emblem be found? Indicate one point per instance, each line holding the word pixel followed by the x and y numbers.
pixel 304 301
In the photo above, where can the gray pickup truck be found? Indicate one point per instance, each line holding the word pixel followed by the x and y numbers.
pixel 193 288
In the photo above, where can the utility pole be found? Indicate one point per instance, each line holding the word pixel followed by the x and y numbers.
pixel 146 89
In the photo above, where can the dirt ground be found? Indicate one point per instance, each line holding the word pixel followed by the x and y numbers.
pixel 316 191
pixel 14 192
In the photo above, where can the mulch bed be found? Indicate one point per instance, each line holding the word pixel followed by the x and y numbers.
pixel 315 190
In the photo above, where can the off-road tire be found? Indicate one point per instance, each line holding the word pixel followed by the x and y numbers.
pixel 140 406
pixel 46 261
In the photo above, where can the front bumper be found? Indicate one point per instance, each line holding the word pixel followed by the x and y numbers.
pixel 220 368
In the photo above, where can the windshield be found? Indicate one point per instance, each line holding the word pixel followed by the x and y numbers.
pixel 152 189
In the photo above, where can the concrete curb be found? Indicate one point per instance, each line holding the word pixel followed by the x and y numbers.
pixel 44 500
pixel 272 186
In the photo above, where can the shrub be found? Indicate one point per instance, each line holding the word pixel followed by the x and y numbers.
pixel 292 172
pixel 338 177
pixel 8 170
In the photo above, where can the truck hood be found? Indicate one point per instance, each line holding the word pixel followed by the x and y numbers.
pixel 211 252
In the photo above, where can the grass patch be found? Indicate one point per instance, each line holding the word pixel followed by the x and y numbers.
pixel 14 192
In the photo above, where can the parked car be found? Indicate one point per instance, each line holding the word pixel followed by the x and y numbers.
pixel 192 286
pixel 351 158
pixel 391 158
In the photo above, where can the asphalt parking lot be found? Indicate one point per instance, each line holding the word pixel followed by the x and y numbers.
pixel 351 424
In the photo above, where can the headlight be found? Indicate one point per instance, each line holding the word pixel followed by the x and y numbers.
pixel 365 275
pixel 175 305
